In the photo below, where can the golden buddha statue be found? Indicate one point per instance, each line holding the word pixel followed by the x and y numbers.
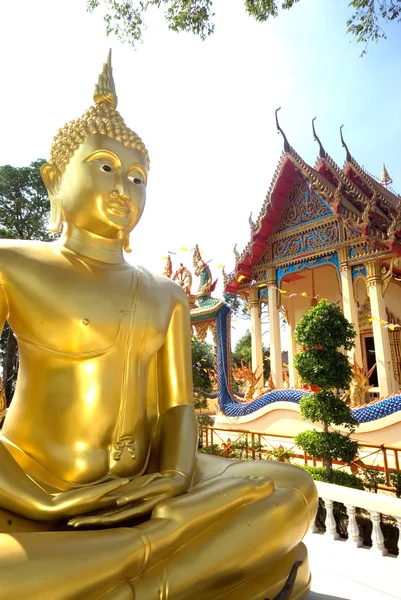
pixel 102 493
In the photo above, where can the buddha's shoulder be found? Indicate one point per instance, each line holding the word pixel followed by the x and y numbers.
pixel 24 249
pixel 165 285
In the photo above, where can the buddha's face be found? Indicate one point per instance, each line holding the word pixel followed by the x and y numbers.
pixel 103 188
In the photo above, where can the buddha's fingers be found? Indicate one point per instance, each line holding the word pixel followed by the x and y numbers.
pixel 169 485
pixel 117 515
pixel 135 484
pixel 86 499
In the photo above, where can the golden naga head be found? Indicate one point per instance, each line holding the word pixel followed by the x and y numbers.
pixel 198 261
pixel 98 124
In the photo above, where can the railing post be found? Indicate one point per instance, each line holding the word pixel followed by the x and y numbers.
pixel 397 462
pixel 260 446
pixel 353 530
pixel 377 534
pixel 385 461
pixel 211 437
pixel 253 445
pixel 330 520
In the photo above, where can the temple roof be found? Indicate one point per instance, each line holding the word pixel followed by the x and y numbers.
pixel 355 197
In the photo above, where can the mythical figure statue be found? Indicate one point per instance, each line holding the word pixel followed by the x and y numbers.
pixel 102 493
pixel 206 283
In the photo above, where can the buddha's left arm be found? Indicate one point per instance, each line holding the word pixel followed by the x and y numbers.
pixel 178 425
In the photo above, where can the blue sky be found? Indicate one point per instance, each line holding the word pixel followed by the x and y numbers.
pixel 204 109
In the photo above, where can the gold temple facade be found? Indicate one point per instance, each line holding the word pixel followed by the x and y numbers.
pixel 326 232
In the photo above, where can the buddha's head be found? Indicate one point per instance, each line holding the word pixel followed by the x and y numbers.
pixel 97 174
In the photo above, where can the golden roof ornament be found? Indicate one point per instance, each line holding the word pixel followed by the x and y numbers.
pixel 101 118
pixel 385 179
pixel 322 151
pixel 344 145
pixel 287 146
pixel 168 269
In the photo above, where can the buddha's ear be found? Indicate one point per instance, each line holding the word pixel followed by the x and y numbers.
pixel 51 178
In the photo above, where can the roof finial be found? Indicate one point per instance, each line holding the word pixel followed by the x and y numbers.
pixel 322 151
pixel 348 155
pixel 287 146
pixel 385 179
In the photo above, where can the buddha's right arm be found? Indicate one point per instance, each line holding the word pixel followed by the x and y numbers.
pixel 21 495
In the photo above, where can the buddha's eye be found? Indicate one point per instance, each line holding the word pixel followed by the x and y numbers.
pixel 138 180
pixel 104 166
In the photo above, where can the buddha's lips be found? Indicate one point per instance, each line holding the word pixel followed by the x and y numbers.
pixel 119 206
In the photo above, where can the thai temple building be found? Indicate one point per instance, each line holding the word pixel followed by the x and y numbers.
pixel 326 232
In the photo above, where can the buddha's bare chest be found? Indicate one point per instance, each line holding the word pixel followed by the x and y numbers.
pixel 80 311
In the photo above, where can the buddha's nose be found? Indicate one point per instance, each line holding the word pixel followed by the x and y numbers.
pixel 121 183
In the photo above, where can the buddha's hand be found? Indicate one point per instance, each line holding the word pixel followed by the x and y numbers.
pixel 85 499
pixel 137 499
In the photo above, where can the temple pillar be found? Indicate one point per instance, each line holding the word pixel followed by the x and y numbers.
pixel 276 363
pixel 384 366
pixel 256 335
pixel 350 308
pixel 292 347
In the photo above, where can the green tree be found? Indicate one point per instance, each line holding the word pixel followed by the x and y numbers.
pixel 243 353
pixel 202 363
pixel 321 331
pixel 237 305
pixel 24 212
pixel 126 18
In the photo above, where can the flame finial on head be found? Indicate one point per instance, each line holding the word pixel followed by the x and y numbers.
pixel 105 90
pixel 102 118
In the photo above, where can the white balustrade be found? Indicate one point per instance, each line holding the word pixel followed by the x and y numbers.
pixel 374 504
pixel 353 529
pixel 330 520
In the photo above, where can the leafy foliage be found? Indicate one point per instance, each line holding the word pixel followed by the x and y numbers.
pixel 280 454
pixel 372 478
pixel 330 445
pixel 202 361
pixel 24 203
pixel 126 18
pixel 339 477
pixel 321 331
pixel 236 304
pixel 326 407
pixel 366 22
pixel 312 329
pixel 395 478
pixel 324 368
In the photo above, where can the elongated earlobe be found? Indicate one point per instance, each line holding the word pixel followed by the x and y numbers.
pixel 51 178
pixel 126 245
pixel 56 216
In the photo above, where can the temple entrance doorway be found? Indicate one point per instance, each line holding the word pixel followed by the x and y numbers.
pixel 370 358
